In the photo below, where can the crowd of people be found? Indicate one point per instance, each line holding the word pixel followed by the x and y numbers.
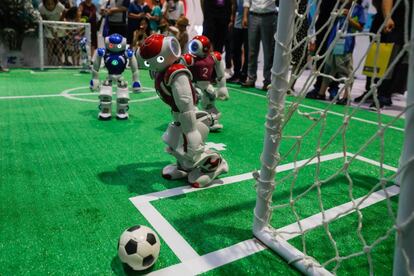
pixel 238 28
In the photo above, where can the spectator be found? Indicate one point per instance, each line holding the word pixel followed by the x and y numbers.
pixel 137 10
pixel 155 16
pixel 115 17
pixel 339 62
pixel 393 32
pixel 325 9
pixel 261 19
pixel 216 21
pixel 239 42
pixel 182 34
pixel 52 10
pixel 141 33
pixel 300 54
pixel 72 38
pixel 172 10
pixel 87 14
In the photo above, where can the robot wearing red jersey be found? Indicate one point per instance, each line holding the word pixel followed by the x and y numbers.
pixel 206 67
pixel 184 137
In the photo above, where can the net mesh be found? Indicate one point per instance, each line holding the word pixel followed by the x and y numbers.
pixel 65 44
pixel 341 163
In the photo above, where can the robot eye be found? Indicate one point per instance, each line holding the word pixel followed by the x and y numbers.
pixel 111 45
pixel 193 46
pixel 146 63
pixel 160 59
pixel 119 46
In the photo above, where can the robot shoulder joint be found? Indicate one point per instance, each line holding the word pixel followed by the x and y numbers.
pixel 175 69
pixel 217 56
pixel 129 53
pixel 188 59
pixel 101 52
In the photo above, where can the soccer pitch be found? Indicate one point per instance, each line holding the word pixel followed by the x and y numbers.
pixel 70 184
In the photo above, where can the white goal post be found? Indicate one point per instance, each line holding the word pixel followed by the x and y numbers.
pixel 59 43
pixel 278 116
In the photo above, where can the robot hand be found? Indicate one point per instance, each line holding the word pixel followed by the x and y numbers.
pixel 222 93
pixel 94 84
pixel 136 87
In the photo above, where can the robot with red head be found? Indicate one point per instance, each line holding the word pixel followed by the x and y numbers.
pixel 207 67
pixel 185 137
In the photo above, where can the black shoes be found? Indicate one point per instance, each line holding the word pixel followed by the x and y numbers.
pixel 248 83
pixel 314 94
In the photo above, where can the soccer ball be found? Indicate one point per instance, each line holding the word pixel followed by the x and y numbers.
pixel 138 247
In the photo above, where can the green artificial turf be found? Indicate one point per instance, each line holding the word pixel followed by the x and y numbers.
pixel 66 178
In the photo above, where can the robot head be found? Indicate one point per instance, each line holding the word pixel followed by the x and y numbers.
pixel 199 46
pixel 115 43
pixel 158 52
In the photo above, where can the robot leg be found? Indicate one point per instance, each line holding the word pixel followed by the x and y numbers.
pixel 173 137
pixel 208 168
pixel 122 99
pixel 208 103
pixel 105 102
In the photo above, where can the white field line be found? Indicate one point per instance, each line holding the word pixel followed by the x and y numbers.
pixel 248 247
pixel 64 95
pixel 192 263
pixel 225 181
pixel 175 241
pixel 320 109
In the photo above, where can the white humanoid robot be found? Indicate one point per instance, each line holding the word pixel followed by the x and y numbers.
pixel 185 137
pixel 115 58
pixel 207 67
pixel 84 55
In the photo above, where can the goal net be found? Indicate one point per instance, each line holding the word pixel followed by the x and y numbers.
pixel 345 206
pixel 64 44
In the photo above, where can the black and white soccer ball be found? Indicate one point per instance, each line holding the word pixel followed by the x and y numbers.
pixel 139 247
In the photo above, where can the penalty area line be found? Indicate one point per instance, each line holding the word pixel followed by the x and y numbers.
pixel 249 247
pixel 227 180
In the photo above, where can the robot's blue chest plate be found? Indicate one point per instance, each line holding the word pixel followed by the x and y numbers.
pixel 115 63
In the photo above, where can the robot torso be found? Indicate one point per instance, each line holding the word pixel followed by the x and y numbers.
pixel 115 63
pixel 163 85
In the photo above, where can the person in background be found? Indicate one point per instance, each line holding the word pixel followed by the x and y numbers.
pixel 261 19
pixel 155 16
pixel 141 33
pixel 217 15
pixel 52 10
pixel 115 17
pixel 72 38
pixel 87 14
pixel 182 35
pixel 137 10
pixel 240 43
pixel 339 62
pixel 172 10
pixel 323 15
pixel 393 32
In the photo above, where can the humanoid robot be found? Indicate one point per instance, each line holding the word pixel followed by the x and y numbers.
pixel 185 137
pixel 84 55
pixel 115 58
pixel 207 67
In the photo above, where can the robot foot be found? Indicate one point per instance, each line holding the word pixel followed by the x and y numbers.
pixel 216 127
pixel 199 178
pixel 104 116
pixel 122 116
pixel 172 172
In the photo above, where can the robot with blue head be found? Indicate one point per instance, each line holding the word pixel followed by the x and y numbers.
pixel 114 56
pixel 84 51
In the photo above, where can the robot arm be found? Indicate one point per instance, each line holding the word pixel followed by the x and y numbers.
pixel 183 97
pixel 97 58
pixel 221 92
pixel 136 84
